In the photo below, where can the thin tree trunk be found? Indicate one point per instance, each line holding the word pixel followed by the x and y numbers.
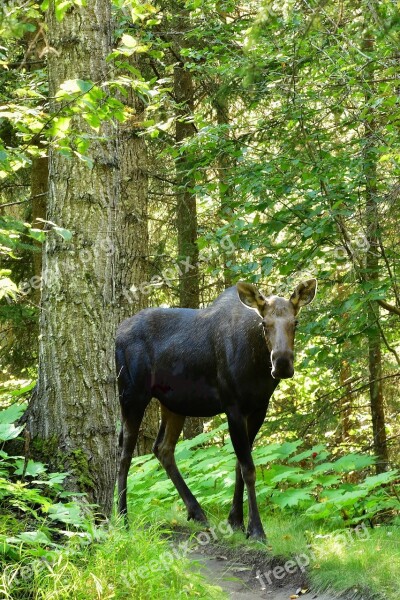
pixel 346 400
pixel 133 240
pixel 189 295
pixel 189 287
pixel 225 187
pixel 372 272
pixel 39 191
pixel 72 417
pixel 345 374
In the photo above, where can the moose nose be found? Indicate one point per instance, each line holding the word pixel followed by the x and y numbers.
pixel 282 365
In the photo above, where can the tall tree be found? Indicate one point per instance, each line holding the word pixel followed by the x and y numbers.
pixel 132 232
pixel 224 168
pixel 372 263
pixel 185 182
pixel 186 207
pixel 72 420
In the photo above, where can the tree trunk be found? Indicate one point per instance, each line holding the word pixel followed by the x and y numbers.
pixel 344 374
pixel 189 295
pixel 34 45
pixel 133 241
pixel 188 253
pixel 72 418
pixel 372 272
pixel 39 190
pixel 225 187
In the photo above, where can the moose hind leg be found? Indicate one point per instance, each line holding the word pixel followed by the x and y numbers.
pixel 164 449
pixel 128 437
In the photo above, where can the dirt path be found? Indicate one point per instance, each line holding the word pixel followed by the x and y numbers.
pixel 236 573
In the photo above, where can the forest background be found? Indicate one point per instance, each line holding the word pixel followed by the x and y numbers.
pixel 158 153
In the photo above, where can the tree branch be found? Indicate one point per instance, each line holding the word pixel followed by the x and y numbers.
pixel 389 307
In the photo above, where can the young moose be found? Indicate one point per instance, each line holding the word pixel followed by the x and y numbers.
pixel 228 357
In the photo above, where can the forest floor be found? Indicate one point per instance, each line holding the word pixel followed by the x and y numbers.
pixel 236 573
pixel 250 574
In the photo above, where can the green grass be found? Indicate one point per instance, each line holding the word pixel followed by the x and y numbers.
pixel 307 505
pixel 369 562
pixel 137 564
pixel 367 559
pixel 52 550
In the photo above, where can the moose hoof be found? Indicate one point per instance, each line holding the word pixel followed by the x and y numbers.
pixel 236 524
pixel 257 535
pixel 197 515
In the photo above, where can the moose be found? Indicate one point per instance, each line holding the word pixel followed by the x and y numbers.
pixel 226 358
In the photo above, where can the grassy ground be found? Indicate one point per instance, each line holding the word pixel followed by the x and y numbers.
pixel 137 564
pixel 142 563
pixel 50 550
pixel 364 559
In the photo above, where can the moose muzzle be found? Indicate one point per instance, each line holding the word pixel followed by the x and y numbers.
pixel 282 364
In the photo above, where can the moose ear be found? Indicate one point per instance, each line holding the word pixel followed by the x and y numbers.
pixel 304 294
pixel 251 297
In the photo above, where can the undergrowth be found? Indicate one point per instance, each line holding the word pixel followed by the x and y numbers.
pixel 331 510
pixel 291 480
pixel 51 547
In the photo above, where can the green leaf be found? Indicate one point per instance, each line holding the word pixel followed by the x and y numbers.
pixel 353 462
pixel 34 537
pixel 21 391
pixel 64 233
pixel 32 468
pixel 69 513
pixel 291 497
pixel 37 234
pixel 12 413
pixel 8 431
pixel 8 288
pixel 61 7
pixel 376 480
pixel 74 86
pixel 315 450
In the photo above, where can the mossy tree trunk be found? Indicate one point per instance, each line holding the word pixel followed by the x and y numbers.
pixel 72 418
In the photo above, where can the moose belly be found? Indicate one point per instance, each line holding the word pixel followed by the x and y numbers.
pixel 189 396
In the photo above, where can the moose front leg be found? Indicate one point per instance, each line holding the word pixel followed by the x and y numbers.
pixel 235 518
pixel 242 447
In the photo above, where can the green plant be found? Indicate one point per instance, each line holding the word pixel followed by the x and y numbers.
pixel 51 548
pixel 42 513
pixel 337 491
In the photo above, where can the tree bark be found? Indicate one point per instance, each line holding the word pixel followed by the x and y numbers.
pixel 72 418
pixel 133 239
pixel 372 271
pixel 186 210
pixel 39 190
pixel 225 187
pixel 189 295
